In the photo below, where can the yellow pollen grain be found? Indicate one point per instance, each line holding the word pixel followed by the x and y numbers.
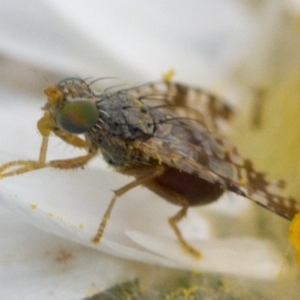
pixel 159 159
pixel 33 206
pixel 137 102
pixel 294 236
pixel 169 75
pixel 243 181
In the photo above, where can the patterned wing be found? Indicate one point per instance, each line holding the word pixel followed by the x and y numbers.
pixel 190 145
pixel 211 110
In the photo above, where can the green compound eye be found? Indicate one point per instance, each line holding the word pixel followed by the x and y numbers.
pixel 78 116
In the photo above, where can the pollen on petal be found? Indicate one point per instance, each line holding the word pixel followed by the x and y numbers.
pixel 295 236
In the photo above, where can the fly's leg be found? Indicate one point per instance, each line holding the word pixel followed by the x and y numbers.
pixel 24 166
pixel 172 196
pixel 148 174
pixel 46 126
pixel 173 222
pixel 145 177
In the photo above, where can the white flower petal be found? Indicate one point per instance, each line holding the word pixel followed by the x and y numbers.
pixel 251 257
pixel 36 34
pixel 150 40
pixel 38 265
pixel 99 39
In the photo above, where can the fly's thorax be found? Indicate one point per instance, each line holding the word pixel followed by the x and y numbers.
pixel 125 117
pixel 123 120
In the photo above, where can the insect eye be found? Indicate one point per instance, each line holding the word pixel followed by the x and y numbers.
pixel 78 116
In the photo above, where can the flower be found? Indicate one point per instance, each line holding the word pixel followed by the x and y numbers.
pixel 206 42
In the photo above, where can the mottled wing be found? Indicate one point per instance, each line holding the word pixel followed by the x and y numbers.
pixel 191 146
pixel 210 110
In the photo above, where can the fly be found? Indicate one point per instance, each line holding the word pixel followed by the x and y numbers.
pixel 148 132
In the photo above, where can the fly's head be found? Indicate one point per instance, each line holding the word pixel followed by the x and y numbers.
pixel 71 106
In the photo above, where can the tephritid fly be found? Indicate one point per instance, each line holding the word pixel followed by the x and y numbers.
pixel 149 133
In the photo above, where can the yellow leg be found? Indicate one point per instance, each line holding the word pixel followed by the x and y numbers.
pixel 152 173
pixel 46 126
pixel 173 222
pixel 72 163
pixel 24 166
